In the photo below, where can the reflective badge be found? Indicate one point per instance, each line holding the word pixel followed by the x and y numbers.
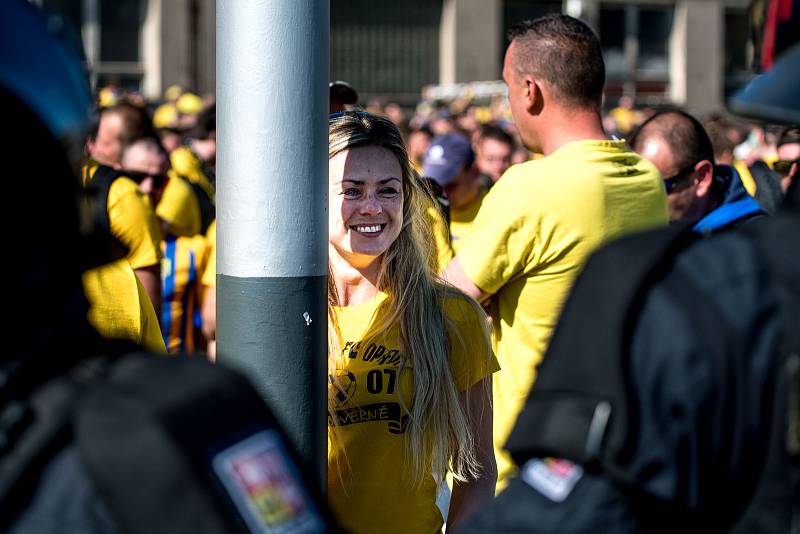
pixel 552 477
pixel 266 487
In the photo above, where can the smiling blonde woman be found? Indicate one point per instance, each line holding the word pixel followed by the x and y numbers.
pixel 409 356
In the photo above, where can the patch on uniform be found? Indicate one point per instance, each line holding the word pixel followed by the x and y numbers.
pixel 552 477
pixel 263 482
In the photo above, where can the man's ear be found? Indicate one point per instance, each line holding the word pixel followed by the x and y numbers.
pixel 534 98
pixel 704 177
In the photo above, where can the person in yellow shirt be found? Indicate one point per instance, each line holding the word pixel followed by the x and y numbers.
pixel 135 320
pixel 129 216
pixel 184 256
pixel 409 357
pixel 194 162
pixel 120 305
pixel 538 224
pixel 450 162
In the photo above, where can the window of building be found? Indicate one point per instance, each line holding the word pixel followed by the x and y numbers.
pixel 386 48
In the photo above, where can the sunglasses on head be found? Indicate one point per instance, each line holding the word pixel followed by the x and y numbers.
pixel 783 166
pixel 349 112
pixel 673 182
pixel 158 179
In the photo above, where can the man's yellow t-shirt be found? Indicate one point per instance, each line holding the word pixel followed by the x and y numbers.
pixel 131 219
pixel 187 164
pixel 119 307
pixel 368 486
pixel 178 208
pixel 441 237
pixel 530 239
pixel 461 221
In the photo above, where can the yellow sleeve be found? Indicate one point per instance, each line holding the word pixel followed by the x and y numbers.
pixel 178 208
pixel 133 222
pixel 441 237
pixel 210 273
pixel 151 338
pixel 471 356
pixel 503 235
pixel 186 164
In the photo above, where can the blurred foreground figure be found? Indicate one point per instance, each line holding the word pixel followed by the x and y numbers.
pixel 669 398
pixel 699 191
pixel 94 436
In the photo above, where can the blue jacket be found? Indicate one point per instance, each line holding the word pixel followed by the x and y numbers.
pixel 737 204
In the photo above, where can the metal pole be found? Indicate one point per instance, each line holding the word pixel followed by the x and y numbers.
pixel 272 220
pixel 90 33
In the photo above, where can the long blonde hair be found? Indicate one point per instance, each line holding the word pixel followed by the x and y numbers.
pixel 439 434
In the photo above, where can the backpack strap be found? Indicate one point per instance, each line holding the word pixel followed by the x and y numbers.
pixel 206 204
pixel 100 183
pixel 589 348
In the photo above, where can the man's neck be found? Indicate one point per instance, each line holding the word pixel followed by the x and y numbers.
pixel 566 126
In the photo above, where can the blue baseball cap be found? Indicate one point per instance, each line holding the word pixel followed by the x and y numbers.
pixel 446 157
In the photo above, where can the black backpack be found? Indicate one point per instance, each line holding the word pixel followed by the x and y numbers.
pixel 582 409
pixel 162 444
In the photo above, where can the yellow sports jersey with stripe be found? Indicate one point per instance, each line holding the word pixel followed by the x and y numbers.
pixel 181 270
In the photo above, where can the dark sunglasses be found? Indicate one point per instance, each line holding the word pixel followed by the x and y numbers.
pixel 783 166
pixel 158 179
pixel 671 184
pixel 349 113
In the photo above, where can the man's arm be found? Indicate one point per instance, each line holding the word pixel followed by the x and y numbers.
pixel 455 275
pixel 150 277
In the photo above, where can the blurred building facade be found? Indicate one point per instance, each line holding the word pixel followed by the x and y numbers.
pixel 145 45
pixel 688 52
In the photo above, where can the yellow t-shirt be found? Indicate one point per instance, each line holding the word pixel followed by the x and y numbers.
pixel 531 237
pixel 210 273
pixel 441 237
pixel 187 164
pixel 461 221
pixel 366 485
pixel 119 307
pixel 179 208
pixel 131 219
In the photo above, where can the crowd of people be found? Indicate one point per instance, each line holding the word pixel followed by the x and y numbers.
pixel 456 233
pixel 151 174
